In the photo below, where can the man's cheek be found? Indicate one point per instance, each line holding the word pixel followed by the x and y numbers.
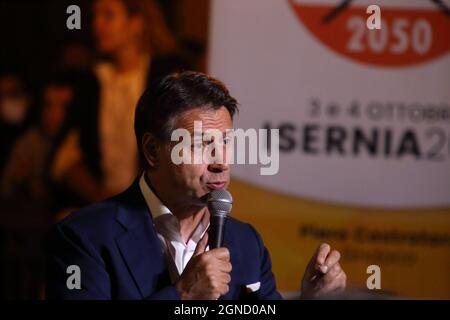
pixel 191 174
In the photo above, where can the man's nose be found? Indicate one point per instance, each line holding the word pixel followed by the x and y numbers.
pixel 218 167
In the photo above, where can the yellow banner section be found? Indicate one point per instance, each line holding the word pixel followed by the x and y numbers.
pixel 411 247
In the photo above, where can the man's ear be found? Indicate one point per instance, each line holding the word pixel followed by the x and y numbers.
pixel 150 149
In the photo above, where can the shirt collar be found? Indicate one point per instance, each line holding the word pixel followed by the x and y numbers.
pixel 164 219
pixel 155 205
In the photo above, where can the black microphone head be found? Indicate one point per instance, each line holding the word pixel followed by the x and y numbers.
pixel 219 202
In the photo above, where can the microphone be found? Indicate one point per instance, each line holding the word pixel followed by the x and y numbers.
pixel 219 203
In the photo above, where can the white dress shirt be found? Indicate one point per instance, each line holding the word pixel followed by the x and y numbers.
pixel 167 227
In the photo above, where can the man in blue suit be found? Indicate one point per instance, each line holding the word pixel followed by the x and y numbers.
pixel 151 241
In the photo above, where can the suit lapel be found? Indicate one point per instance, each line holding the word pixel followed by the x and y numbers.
pixel 139 245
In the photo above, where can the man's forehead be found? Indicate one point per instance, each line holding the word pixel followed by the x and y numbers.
pixel 209 118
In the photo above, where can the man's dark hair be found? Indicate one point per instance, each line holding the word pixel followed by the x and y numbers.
pixel 162 101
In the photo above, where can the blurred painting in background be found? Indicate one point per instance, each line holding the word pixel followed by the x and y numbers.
pixel 67 100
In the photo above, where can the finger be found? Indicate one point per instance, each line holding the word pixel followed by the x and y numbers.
pixel 321 255
pixel 341 283
pixel 222 254
pixel 313 265
pixel 218 288
pixel 217 277
pixel 220 266
pixel 225 267
pixel 332 259
pixel 332 273
pixel 340 286
pixel 225 278
pixel 224 289
pixel 336 285
pixel 201 245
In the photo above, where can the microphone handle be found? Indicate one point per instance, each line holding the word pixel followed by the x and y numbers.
pixel 216 230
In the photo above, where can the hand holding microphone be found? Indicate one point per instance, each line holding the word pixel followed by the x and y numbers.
pixel 207 274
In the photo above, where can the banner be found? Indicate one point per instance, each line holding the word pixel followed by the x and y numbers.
pixel 364 122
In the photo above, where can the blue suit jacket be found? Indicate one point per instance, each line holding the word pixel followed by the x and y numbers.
pixel 116 247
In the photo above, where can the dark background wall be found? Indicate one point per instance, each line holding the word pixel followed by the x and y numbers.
pixel 32 32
